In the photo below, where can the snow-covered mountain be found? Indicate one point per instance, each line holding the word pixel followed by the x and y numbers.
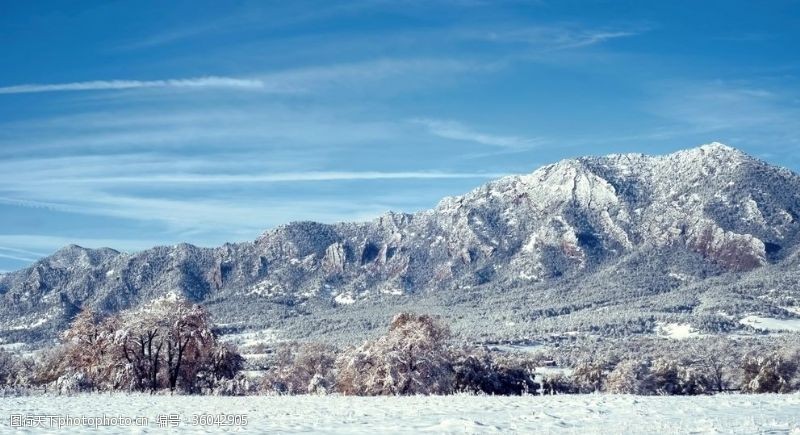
pixel 585 243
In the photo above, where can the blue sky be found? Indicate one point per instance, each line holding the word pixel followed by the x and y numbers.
pixel 132 123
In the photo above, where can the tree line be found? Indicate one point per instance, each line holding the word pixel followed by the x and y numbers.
pixel 169 346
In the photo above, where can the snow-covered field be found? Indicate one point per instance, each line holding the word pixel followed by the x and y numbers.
pixel 579 414
pixel 771 324
pixel 677 331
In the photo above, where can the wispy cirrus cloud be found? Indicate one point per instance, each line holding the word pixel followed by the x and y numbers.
pixel 292 177
pixel 285 131
pixel 21 251
pixel 16 257
pixel 46 244
pixel 555 37
pixel 747 111
pixel 455 130
pixel 173 35
pixel 386 72
pixel 247 18
pixel 243 216
pixel 101 85
pixel 301 80
pixel 203 193
pixel 20 255
pixel 596 37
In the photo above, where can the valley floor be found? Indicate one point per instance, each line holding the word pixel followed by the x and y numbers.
pixel 578 414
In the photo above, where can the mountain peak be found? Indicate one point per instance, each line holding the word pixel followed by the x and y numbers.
pixel 75 255
pixel 709 156
pixel 72 248
pixel 718 147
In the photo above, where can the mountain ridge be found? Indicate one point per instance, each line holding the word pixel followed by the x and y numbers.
pixel 512 238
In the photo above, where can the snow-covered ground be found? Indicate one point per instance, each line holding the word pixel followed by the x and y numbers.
pixel 252 338
pixel 771 324
pixel 524 348
pixel 677 331
pixel 579 414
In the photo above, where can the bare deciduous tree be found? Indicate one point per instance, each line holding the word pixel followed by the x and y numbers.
pixel 167 343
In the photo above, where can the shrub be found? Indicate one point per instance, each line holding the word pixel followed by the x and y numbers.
pixel 219 371
pixel 772 373
pixel 666 379
pixel 8 368
pixel 670 377
pixel 714 363
pixel 630 377
pixel 558 383
pixel 50 366
pixel 694 381
pixel 588 377
pixel 480 371
pixel 301 369
pixel 239 385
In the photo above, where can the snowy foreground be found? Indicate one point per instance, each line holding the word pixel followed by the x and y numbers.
pixel 582 414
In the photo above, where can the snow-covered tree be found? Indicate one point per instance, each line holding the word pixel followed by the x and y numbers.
pixel 630 377
pixel 166 341
pixel 8 368
pixel 714 362
pixel 411 358
pixel 89 351
pixel 679 377
pixel 481 371
pixel 224 362
pixel 301 368
pixel 557 383
pixel 51 365
pixel 771 373
pixel 588 377
pixel 666 379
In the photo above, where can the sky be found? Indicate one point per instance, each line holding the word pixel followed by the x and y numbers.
pixel 131 124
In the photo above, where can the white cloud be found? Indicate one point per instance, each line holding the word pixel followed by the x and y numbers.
pixel 122 164
pixel 17 254
pixel 735 110
pixel 590 38
pixel 138 162
pixel 252 126
pixel 16 257
pixel 21 251
pixel 559 37
pixel 194 194
pixel 457 131
pixel 276 178
pixel 386 71
pixel 98 85
pixel 206 216
pixel 171 36
pixel 289 81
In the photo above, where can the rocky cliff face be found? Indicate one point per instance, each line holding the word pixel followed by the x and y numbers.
pixel 731 212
